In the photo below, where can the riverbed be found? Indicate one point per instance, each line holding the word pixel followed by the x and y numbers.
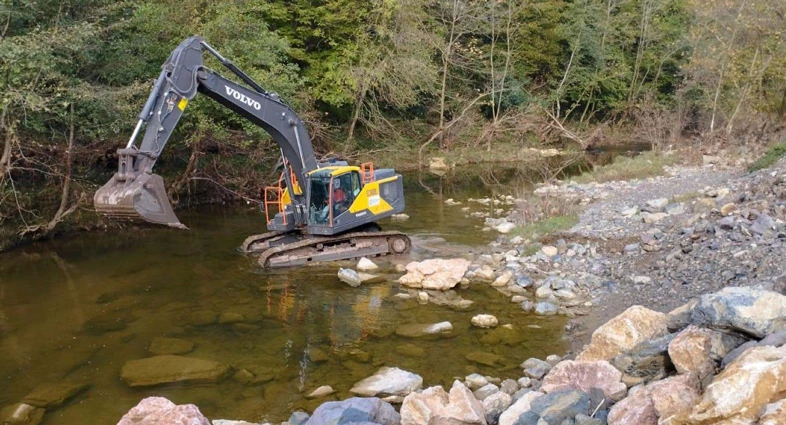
pixel 78 309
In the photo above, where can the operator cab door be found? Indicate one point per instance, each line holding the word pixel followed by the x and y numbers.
pixel 331 195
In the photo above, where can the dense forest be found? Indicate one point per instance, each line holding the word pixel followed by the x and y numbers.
pixel 373 78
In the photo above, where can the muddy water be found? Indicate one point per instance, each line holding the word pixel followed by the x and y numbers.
pixel 78 309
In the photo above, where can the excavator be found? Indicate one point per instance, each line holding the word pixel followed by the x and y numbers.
pixel 324 210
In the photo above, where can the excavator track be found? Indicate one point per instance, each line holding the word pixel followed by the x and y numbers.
pixel 333 248
pixel 247 247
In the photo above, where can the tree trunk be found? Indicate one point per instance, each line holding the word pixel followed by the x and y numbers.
pixel 356 113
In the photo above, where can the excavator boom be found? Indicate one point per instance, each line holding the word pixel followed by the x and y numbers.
pixel 136 194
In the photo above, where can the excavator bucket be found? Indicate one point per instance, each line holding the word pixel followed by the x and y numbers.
pixel 143 199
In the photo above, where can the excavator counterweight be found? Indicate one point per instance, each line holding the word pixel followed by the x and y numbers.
pixel 331 209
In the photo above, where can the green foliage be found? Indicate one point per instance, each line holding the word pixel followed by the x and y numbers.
pixel 769 158
pixel 546 226
pixel 648 164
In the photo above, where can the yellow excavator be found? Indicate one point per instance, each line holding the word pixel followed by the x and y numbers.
pixel 325 211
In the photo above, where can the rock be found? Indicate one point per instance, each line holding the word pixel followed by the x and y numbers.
pixel 524 281
pixel 298 418
pixel 321 391
pixel 484 274
pixel 630 212
pixel 762 224
pixel 350 277
pixel 642 280
pixel 620 334
pixel 495 404
pixel 417 330
pixel 728 208
pixel 653 218
pixel 231 422
pixel 505 227
pixel 736 395
pixel 549 250
pixel 582 419
pixel 160 411
pixel 503 279
pixel 774 413
pixel 484 358
pixel 509 386
pixel 545 308
pixel 366 265
pixel 680 317
pixel 656 401
pixel 54 393
pixel 485 391
pixel 437 163
pixel 388 381
pixel 399 217
pixel 776 340
pixel 162 345
pixel 203 317
pixel 411 350
pixel 585 375
pixel 690 352
pixel 535 368
pixel 553 359
pixel 524 382
pixel 485 321
pixel 21 414
pixel 169 369
pixel 475 381
pixel 229 317
pixel 521 407
pixel 658 204
pixel 674 209
pixel 435 274
pixel 356 410
pixel 317 355
pixel 752 311
pixel 423 297
pixel 544 292
pixel 560 405
pixel 435 406
pixel 648 360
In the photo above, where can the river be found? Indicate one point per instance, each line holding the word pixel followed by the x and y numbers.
pixel 77 309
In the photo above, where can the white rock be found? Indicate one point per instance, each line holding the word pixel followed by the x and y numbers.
pixel 399 217
pixel 653 218
pixel 321 391
pixel 423 297
pixel 550 250
pixel 485 321
pixel 503 279
pixel 436 274
pixel 523 404
pixel 630 212
pixel 350 277
pixel 388 381
pixel 658 203
pixel 505 227
pixel 366 265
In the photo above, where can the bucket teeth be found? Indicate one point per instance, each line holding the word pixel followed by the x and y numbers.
pixel 143 199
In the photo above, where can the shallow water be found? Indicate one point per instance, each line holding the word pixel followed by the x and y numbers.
pixel 78 309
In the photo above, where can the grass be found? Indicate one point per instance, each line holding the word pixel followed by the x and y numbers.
pixel 546 226
pixel 769 159
pixel 648 164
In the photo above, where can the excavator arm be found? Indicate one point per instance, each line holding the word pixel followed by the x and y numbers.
pixel 136 194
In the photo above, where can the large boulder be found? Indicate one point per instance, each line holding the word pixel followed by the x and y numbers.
pixel 160 411
pixel 774 413
pixel 355 410
pixel 169 369
pixel 622 333
pixel 520 408
pixel 584 376
pixel 755 379
pixel 752 311
pixel 558 406
pixel 656 402
pixel 690 351
pixel 388 381
pixel 436 274
pixel 435 406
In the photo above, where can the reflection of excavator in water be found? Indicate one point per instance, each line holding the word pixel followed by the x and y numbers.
pixel 326 211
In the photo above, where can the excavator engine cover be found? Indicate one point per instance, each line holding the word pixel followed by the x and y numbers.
pixel 142 199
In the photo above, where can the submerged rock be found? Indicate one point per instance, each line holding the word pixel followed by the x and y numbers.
pixel 321 391
pixel 163 345
pixel 158 410
pixel 366 265
pixel 484 358
pixel 388 381
pixel 416 330
pixel 350 277
pixel 168 369
pixel 21 414
pixel 356 410
pixel 54 394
